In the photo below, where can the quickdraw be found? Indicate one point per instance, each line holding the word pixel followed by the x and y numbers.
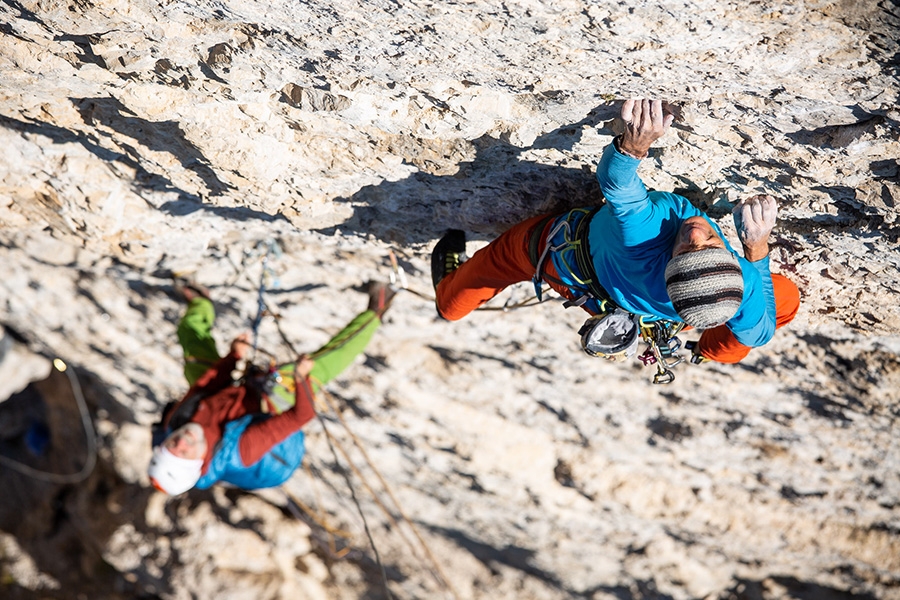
pixel 398 275
pixel 663 345
pixel 611 333
pixel 615 334
pixel 267 247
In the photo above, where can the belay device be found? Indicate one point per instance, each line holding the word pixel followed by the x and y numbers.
pixel 276 384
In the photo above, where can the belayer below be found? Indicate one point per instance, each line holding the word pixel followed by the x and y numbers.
pixel 220 431
pixel 647 258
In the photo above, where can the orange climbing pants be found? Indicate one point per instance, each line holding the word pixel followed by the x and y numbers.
pixel 501 263
pixel 506 261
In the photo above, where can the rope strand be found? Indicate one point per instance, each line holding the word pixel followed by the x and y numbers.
pixel 88 426
pixel 440 573
pixel 362 515
pixel 532 301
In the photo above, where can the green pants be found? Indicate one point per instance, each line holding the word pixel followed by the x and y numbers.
pixel 195 337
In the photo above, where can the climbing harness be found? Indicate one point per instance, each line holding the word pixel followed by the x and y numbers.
pixel 612 332
pixel 89 435
pixel 568 240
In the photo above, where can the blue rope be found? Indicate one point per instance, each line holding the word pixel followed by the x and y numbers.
pixel 270 248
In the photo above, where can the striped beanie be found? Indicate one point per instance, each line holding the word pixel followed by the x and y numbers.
pixel 705 286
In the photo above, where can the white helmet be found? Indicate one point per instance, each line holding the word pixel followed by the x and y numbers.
pixel 172 474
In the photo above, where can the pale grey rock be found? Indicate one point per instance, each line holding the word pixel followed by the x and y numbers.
pixel 313 100
pixel 137 138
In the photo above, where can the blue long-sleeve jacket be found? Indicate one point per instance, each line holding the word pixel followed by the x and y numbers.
pixel 274 468
pixel 631 240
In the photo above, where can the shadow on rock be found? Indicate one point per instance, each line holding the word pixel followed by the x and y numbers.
pixel 186 203
pixel 65 527
pixel 159 136
pixel 842 135
pixel 493 557
pixel 488 194
pixel 24 14
pixel 789 588
pixel 60 135
pixel 853 217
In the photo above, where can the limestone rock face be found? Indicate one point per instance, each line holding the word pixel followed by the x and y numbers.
pixel 143 138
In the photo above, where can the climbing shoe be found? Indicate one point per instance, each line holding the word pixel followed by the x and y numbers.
pixel 380 296
pixel 448 254
pixel 188 288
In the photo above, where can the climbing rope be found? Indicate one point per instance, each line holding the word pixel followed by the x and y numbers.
pixel 398 276
pixel 362 514
pixel 398 280
pixel 295 506
pixel 438 571
pixel 268 247
pixel 532 301
pixel 366 483
pixel 88 426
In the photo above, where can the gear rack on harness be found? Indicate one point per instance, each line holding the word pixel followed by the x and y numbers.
pixel 611 332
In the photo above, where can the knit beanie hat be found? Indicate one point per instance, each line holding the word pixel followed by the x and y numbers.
pixel 705 286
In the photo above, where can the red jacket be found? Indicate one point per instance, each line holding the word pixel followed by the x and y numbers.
pixel 222 402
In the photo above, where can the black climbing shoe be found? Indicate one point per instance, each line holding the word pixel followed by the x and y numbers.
pixel 448 254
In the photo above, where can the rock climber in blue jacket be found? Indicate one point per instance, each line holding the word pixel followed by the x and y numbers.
pixel 652 254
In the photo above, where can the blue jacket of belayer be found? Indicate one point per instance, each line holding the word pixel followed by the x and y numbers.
pixel 274 468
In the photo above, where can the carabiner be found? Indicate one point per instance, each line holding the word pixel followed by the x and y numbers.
pixel 647 358
pixel 663 376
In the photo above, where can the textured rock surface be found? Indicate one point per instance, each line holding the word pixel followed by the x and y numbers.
pixel 142 137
